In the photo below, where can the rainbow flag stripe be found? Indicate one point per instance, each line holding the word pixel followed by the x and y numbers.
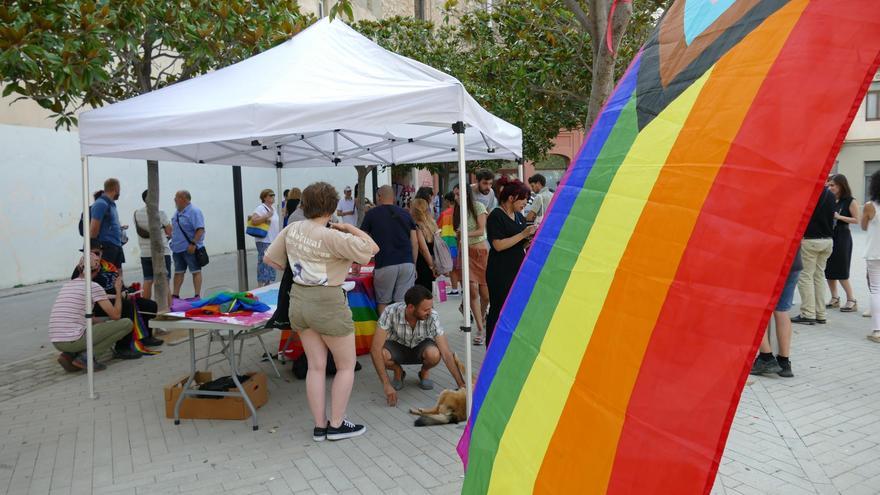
pixel 447 232
pixel 619 359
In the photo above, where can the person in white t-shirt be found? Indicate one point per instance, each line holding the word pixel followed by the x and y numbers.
pixel 541 198
pixel 263 213
pixel 482 190
pixel 346 209
pixel 142 227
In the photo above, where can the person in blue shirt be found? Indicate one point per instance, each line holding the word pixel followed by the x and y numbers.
pixel 187 234
pixel 104 223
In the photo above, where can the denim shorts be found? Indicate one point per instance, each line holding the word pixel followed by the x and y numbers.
pixel 147 266
pixel 184 260
pixel 787 296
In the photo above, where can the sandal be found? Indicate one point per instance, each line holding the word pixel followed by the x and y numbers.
pixel 834 303
pixel 425 383
pixel 851 306
pixel 398 384
pixel 478 340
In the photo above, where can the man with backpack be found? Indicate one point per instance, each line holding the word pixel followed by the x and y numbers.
pixel 104 223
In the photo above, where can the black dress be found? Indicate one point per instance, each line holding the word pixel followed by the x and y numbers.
pixel 502 266
pixel 837 267
pixel 424 274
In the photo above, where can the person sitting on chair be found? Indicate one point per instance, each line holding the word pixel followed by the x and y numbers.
pixel 409 332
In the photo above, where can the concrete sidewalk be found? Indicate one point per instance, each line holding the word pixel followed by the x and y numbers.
pixel 815 433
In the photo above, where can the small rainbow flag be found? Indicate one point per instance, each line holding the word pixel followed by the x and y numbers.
pixel 139 331
pixel 622 351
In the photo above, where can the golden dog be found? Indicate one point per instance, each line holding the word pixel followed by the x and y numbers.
pixel 451 407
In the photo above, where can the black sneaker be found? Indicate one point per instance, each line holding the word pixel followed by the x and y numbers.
pixel 126 354
pixel 152 341
pixel 761 367
pixel 821 322
pixel 804 321
pixel 785 369
pixel 81 363
pixel 346 430
pixel 65 359
pixel 320 434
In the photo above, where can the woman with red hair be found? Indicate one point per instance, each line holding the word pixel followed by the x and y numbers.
pixel 508 235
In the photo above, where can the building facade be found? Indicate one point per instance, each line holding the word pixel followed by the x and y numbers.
pixel 859 156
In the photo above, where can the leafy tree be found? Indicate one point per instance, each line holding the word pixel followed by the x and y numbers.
pixel 543 65
pixel 67 55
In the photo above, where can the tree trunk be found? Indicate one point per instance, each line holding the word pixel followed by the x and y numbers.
pixel 603 59
pixel 362 171
pixel 444 181
pixel 157 237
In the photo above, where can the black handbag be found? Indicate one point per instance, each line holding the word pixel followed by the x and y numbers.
pixel 201 253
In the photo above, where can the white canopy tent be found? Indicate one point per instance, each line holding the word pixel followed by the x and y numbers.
pixel 327 97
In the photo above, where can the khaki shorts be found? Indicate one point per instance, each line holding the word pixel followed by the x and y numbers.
pixel 322 309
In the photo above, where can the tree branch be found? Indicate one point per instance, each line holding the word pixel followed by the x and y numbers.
pixel 622 16
pixel 583 19
pixel 560 93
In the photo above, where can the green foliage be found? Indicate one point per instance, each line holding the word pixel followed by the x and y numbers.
pixel 69 54
pixel 529 62
pixel 342 7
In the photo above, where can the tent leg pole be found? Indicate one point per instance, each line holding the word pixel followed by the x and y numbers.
pixel 464 191
pixel 521 170
pixel 87 250
pixel 279 198
pixel 239 229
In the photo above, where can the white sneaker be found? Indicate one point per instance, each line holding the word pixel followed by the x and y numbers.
pixel 867 313
pixel 875 336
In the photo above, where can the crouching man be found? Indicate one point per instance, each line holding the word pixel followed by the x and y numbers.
pixel 67 323
pixel 410 333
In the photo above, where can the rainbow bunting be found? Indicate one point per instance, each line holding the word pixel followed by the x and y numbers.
pixel 622 351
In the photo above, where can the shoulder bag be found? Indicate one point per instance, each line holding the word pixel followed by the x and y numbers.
pixel 201 253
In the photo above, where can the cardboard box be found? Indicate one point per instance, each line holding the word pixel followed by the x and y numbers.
pixel 220 408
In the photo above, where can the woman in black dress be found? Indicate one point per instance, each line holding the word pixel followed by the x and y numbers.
pixel 846 212
pixel 426 227
pixel 508 235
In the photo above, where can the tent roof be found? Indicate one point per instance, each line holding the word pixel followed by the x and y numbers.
pixel 328 96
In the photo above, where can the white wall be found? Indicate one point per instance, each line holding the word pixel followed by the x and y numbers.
pixel 41 198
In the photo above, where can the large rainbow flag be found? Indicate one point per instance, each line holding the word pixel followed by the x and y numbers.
pixel 625 343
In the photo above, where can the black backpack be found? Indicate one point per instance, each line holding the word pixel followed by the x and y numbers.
pixel 81 218
pixel 301 366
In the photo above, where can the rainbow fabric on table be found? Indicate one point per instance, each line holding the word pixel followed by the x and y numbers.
pixel 622 350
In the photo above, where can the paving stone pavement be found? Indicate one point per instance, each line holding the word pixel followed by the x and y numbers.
pixel 815 433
